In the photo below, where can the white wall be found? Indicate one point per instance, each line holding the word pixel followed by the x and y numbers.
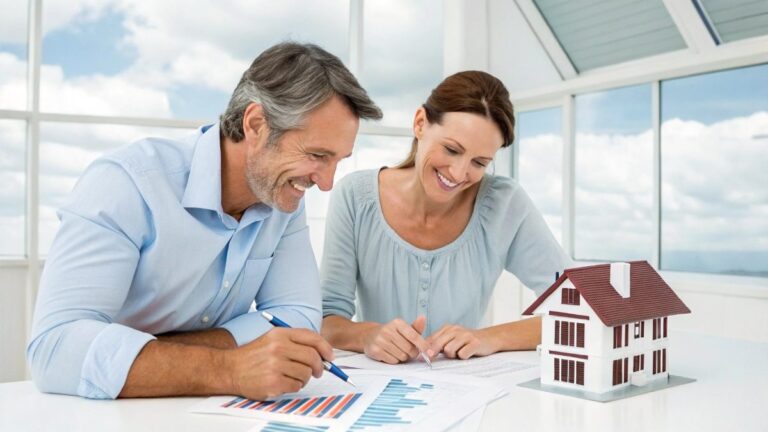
pixel 13 280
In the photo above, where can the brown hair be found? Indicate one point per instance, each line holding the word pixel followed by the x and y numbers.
pixel 473 92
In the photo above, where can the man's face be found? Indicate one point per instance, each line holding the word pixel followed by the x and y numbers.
pixel 279 173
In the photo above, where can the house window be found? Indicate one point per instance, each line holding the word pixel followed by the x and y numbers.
pixel 660 361
pixel 569 371
pixel 659 328
pixel 638 363
pixel 571 296
pixel 620 371
pixel 568 333
pixel 621 338
pixel 637 330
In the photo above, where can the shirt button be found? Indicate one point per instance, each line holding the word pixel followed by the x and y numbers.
pixel 226 284
pixel 425 266
pixel 423 303
pixel 205 319
pixel 424 286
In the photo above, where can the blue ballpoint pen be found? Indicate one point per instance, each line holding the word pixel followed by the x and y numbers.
pixel 330 367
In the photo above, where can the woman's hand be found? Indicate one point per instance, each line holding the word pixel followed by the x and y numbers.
pixel 455 341
pixel 397 341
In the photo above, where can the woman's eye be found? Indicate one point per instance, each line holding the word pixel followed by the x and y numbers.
pixel 480 164
pixel 451 151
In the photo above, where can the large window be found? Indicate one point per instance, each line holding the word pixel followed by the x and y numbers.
pixel 540 163
pixel 370 152
pixel 13 55
pixel 714 152
pixel 66 149
pixel 148 59
pixel 402 55
pixel 614 175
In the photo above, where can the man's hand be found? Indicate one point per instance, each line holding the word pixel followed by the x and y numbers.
pixel 455 341
pixel 280 361
pixel 396 341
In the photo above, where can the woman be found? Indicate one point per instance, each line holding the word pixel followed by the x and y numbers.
pixel 424 243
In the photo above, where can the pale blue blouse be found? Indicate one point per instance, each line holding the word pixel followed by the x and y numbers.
pixel 366 262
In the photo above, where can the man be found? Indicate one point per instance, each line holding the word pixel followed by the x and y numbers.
pixel 164 246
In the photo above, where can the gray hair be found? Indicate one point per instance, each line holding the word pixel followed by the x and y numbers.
pixel 290 80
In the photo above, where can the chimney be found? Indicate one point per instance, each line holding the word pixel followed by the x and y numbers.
pixel 620 278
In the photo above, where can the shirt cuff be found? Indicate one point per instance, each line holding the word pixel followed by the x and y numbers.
pixel 109 359
pixel 247 327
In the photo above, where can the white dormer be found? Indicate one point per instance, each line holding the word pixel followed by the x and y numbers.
pixel 620 278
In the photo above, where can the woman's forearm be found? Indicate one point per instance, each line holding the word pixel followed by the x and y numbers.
pixel 346 334
pixel 514 336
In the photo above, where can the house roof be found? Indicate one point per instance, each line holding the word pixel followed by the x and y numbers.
pixel 650 297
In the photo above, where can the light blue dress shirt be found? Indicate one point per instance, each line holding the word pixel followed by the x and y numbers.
pixel 366 261
pixel 145 248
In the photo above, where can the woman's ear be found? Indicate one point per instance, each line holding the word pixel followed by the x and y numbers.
pixel 419 122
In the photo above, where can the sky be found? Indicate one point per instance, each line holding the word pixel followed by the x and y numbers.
pixel 140 59
pixel 714 183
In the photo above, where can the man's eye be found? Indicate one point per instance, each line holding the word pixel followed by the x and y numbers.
pixel 317 156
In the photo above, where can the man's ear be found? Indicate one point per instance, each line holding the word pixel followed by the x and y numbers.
pixel 254 123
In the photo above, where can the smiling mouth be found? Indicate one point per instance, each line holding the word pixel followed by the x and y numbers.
pixel 300 186
pixel 445 182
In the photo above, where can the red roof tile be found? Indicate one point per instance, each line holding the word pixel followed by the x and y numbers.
pixel 650 297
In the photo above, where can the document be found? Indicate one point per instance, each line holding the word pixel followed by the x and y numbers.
pixel 326 403
pixel 484 367
pixel 416 401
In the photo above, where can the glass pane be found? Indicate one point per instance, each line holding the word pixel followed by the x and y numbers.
pixel 371 151
pixel 614 175
pixel 402 55
pixel 13 55
pixel 66 149
pixel 540 165
pixel 13 179
pixel 148 59
pixel 714 149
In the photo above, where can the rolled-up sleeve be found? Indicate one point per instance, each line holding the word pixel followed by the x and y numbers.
pixel 338 273
pixel 291 288
pixel 75 348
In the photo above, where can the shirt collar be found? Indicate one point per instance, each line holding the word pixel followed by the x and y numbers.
pixel 204 183
pixel 203 189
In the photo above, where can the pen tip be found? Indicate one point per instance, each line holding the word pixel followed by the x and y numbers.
pixel 349 381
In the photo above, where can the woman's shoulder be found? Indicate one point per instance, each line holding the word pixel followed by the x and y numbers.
pixel 502 196
pixel 357 186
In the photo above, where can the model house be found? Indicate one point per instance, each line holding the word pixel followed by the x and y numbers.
pixel 605 327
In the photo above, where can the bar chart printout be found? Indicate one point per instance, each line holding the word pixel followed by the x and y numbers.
pixel 318 407
pixel 326 402
pixel 411 402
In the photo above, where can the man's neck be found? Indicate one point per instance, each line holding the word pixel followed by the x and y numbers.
pixel 236 196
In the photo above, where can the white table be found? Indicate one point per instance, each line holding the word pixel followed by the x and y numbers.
pixel 731 393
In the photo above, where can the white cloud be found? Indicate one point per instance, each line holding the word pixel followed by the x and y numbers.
pixel 13 82
pixel 714 187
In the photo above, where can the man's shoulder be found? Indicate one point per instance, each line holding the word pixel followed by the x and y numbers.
pixel 152 154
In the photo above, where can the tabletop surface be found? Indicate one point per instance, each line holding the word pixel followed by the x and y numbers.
pixel 731 393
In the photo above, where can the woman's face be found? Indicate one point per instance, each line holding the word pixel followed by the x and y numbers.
pixel 453 156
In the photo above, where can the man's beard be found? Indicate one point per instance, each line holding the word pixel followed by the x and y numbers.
pixel 262 185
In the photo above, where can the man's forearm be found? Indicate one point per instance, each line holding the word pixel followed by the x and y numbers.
pixel 176 369
pixel 214 338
